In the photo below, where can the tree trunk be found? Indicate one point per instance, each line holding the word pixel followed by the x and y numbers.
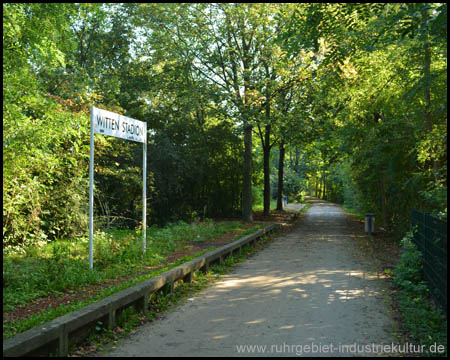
pixel 319 187
pixel 383 203
pixel 428 115
pixel 290 158
pixel 247 201
pixel 280 177
pixel 316 181
pixel 247 214
pixel 266 149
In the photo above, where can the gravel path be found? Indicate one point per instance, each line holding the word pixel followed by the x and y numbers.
pixel 307 293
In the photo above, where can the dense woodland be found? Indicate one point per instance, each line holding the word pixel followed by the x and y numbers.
pixel 243 103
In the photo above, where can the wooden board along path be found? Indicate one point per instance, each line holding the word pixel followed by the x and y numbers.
pixel 55 337
pixel 311 292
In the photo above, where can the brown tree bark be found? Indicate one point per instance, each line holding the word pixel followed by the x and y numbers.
pixel 383 203
pixel 247 214
pixel 266 150
pixel 428 114
pixel 280 177
pixel 316 192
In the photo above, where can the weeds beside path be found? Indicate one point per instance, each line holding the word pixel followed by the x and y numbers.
pixel 312 285
pixel 51 281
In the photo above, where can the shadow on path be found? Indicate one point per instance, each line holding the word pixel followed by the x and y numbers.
pixel 310 287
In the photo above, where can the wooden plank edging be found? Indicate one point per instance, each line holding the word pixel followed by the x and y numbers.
pixel 61 329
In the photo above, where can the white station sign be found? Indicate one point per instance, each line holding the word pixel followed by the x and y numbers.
pixel 109 123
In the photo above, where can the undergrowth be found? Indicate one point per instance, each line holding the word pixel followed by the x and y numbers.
pixel 423 321
pixel 160 302
pixel 62 266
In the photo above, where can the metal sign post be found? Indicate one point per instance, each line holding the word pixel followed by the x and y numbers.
pixel 144 197
pixel 112 124
pixel 91 194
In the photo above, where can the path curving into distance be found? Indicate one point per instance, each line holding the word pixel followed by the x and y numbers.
pixel 309 293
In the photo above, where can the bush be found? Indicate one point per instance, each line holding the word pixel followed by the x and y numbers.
pixel 421 318
pixel 409 269
pixel 45 171
pixel 293 184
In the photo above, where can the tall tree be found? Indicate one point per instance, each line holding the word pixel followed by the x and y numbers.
pixel 388 62
pixel 222 43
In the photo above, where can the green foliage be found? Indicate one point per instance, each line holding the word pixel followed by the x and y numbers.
pixel 379 107
pixel 363 97
pixel 44 189
pixel 194 175
pixel 360 89
pixel 161 301
pixel 409 269
pixel 195 167
pixel 62 265
pixel 44 153
pixel 294 183
pixel 257 195
pixel 421 318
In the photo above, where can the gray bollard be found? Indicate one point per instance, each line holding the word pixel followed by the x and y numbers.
pixel 369 225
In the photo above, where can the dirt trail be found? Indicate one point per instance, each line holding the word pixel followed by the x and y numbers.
pixel 309 292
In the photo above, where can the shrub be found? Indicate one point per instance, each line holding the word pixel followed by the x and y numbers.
pixel 421 318
pixel 409 269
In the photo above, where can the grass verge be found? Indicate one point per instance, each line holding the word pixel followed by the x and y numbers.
pixel 104 339
pixel 260 206
pixel 352 212
pixel 305 209
pixel 52 280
